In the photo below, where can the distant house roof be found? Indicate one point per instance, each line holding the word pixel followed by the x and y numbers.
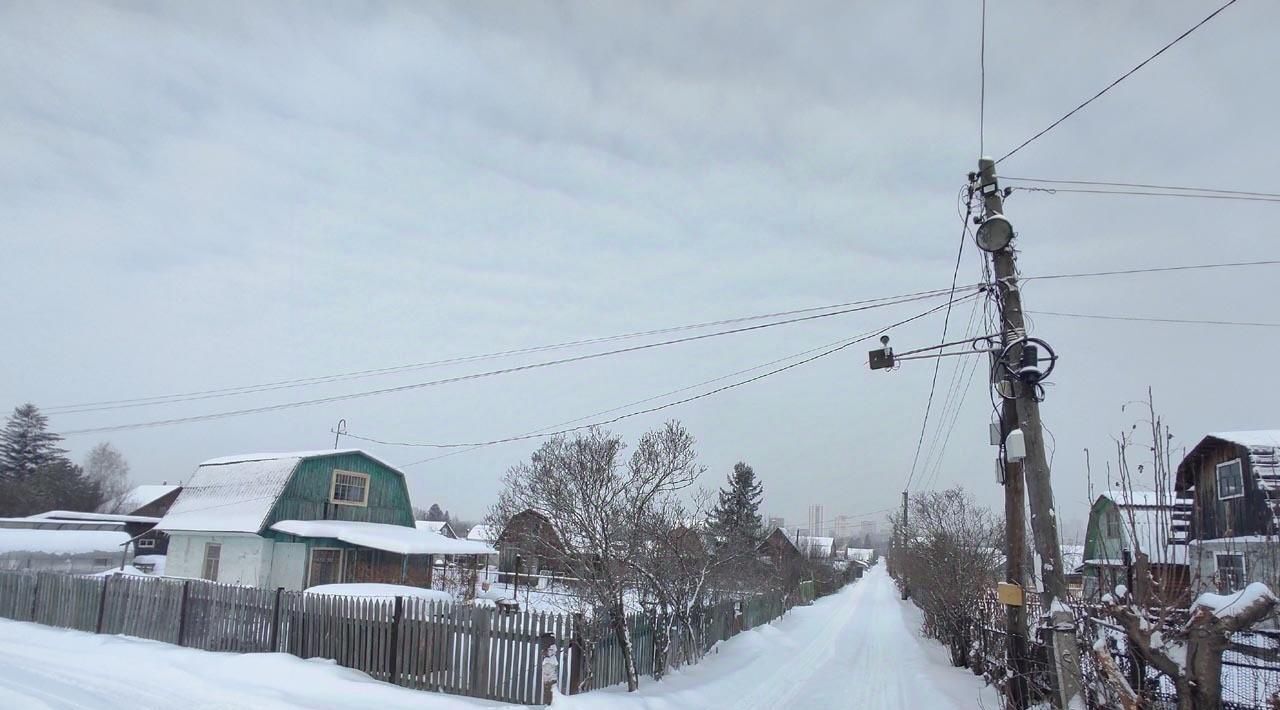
pixel 860 554
pixel 237 493
pixel 138 497
pixel 61 542
pixel 436 526
pixel 483 533
pixel 779 533
pixel 400 539
pixel 816 546
pixel 1263 448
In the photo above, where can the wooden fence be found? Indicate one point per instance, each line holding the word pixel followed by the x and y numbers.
pixel 450 648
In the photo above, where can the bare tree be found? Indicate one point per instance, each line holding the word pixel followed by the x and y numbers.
pixel 951 553
pixel 107 467
pixel 596 503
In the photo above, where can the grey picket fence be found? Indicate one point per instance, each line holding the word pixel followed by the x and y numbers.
pixel 421 644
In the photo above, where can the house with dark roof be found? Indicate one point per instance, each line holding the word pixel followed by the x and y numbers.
pixel 1233 479
pixel 299 520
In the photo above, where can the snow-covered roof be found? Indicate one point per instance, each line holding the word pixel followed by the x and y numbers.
pixel 1141 499
pixel 432 525
pixel 483 533
pixel 61 542
pixel 92 517
pixel 366 590
pixel 861 554
pixel 312 454
pixel 140 496
pixel 230 494
pixel 1147 519
pixel 400 539
pixel 816 546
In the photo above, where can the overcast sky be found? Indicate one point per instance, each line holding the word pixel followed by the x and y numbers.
pixel 200 197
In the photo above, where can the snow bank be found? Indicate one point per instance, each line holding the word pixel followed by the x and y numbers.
pixel 400 539
pixel 55 668
pixel 62 542
pixel 381 590
pixel 1224 605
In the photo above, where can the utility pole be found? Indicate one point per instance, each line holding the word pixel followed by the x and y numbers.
pixel 902 550
pixel 1015 532
pixel 1035 467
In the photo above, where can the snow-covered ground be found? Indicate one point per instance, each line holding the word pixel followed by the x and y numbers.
pixel 857 649
pixel 860 648
pixel 43 668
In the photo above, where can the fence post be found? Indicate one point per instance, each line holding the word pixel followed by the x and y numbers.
pixel 102 602
pixel 275 621
pixel 395 640
pixel 182 611
pixel 35 596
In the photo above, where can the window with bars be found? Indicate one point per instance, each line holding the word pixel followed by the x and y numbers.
pixel 1230 572
pixel 350 488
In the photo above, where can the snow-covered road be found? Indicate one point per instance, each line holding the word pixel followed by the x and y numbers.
pixel 859 649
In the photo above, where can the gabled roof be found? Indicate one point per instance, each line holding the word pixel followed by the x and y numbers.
pixel 435 526
pixel 1147 519
pixel 1262 446
pixel 483 533
pixel 237 493
pixel 138 497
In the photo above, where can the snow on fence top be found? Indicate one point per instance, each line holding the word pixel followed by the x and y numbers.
pixel 399 539
pixel 230 495
pixel 381 591
pixel 1225 605
pixel 61 542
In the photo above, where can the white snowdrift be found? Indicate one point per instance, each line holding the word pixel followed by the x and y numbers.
pixel 42 667
pixel 381 591
pixel 1224 605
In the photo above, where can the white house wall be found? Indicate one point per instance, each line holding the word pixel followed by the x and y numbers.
pixel 244 559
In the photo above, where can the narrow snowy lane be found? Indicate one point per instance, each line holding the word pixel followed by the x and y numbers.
pixel 859 648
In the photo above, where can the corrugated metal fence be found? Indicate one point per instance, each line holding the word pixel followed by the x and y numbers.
pixel 420 644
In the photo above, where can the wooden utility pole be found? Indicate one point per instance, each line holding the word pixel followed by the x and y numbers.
pixel 902 550
pixel 1015 533
pixel 1035 467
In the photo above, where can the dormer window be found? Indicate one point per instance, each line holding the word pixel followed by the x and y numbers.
pixel 349 488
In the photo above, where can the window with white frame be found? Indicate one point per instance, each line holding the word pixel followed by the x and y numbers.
pixel 212 559
pixel 1231 572
pixel 349 488
pixel 1113 523
pixel 146 543
pixel 1230 477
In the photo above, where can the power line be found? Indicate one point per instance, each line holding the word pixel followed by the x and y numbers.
pixel 1141 319
pixel 1184 195
pixel 1153 270
pixel 1141 185
pixel 358 374
pixel 1121 78
pixel 480 375
pixel 946 321
pixel 628 415
pixel 628 404
pixel 982 91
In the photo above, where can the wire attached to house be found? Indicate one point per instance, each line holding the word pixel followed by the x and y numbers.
pixel 1139 185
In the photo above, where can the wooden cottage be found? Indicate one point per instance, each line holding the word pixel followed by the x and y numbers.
pixel 529 545
pixel 1135 529
pixel 1233 479
pixel 781 553
pixel 300 520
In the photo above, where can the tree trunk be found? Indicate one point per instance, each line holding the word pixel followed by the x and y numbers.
pixel 623 633
pixel 1204 666
pixel 661 644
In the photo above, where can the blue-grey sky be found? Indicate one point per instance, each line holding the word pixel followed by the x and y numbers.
pixel 198 197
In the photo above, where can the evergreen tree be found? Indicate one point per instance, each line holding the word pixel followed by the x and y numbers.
pixel 26 444
pixel 436 515
pixel 736 516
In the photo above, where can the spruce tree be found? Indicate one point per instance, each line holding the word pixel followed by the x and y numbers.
pixel 27 445
pixel 736 517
